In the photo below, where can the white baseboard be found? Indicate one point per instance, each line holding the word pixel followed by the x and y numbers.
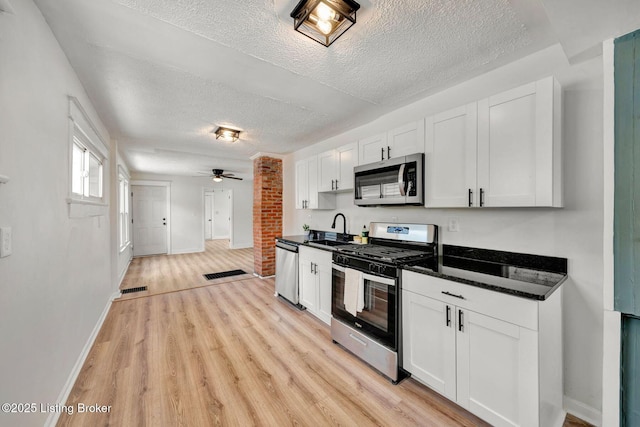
pixel 582 411
pixel 124 273
pixel 73 376
pixel 187 251
pixel 241 245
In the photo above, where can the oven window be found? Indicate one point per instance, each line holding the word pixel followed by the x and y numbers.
pixel 379 305
pixel 376 305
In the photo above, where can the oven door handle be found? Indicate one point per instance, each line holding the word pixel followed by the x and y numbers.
pixel 383 280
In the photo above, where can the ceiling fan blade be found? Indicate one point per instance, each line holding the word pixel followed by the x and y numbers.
pixel 232 177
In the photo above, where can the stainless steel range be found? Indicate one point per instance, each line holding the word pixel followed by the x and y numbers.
pixel 365 290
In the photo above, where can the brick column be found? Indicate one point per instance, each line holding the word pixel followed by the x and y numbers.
pixel 267 213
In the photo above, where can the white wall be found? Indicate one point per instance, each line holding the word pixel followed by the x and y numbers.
pixel 56 285
pixel 574 232
pixel 187 210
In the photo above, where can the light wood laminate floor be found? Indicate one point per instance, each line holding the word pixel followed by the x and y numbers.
pixel 169 273
pixel 232 354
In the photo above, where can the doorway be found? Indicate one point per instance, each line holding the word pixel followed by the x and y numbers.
pixel 217 214
pixel 150 219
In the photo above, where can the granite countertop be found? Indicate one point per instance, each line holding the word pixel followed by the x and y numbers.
pixel 294 240
pixel 529 276
pixel 316 235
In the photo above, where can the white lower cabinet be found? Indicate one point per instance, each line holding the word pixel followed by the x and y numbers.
pixel 496 355
pixel 315 282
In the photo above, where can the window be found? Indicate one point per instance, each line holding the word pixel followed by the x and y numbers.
pixel 88 155
pixel 86 171
pixel 123 211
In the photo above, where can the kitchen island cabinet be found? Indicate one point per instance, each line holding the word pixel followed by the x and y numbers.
pixel 315 282
pixel 497 355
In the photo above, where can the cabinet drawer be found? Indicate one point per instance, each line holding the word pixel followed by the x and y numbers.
pixel 509 308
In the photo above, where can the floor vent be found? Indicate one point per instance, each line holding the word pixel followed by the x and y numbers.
pixel 222 274
pixel 132 290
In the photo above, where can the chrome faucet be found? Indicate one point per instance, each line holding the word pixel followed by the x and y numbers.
pixel 344 223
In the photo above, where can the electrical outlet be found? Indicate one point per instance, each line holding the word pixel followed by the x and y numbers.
pixel 454 225
pixel 5 242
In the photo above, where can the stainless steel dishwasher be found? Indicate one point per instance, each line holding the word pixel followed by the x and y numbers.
pixel 287 271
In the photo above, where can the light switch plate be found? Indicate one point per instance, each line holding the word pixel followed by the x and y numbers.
pixel 5 242
pixel 454 225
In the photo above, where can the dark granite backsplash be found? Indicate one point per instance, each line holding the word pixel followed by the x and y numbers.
pixel 490 261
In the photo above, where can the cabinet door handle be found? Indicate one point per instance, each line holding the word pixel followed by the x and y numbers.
pixel 470 197
pixel 311 265
pixel 448 316
pixel 481 197
pixel 453 295
pixel 388 152
pixel 460 321
pixel 336 184
pixel 382 153
pixel 315 268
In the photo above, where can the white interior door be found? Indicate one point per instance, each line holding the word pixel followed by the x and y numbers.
pixel 208 216
pixel 149 220
pixel 221 214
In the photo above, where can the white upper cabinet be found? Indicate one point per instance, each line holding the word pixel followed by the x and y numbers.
pixel 372 149
pixel 519 146
pixel 335 168
pixel 401 141
pixel 405 140
pixel 302 184
pixel 450 147
pixel 327 171
pixel 307 195
pixel 347 158
pixel 503 151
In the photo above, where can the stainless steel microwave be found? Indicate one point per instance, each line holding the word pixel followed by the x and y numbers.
pixel 397 181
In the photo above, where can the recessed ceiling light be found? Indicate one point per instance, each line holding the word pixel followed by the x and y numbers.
pixel 227 134
pixel 324 20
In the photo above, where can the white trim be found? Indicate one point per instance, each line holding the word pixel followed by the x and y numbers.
pixel 73 376
pixel 242 245
pixel 86 202
pixel 123 171
pixel 81 119
pixel 188 251
pixel 582 411
pixel 122 274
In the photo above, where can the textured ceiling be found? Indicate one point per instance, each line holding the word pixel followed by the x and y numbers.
pixel 163 73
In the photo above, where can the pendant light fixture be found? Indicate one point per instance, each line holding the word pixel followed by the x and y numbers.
pixel 227 134
pixel 324 20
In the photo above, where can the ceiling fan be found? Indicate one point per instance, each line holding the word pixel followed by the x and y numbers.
pixel 218 175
